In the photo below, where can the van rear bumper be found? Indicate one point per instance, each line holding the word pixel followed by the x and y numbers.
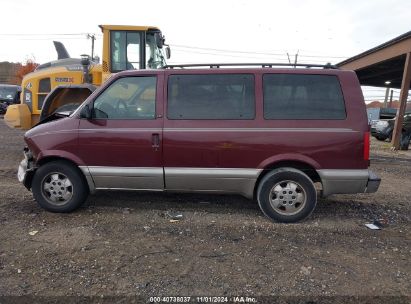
pixel 373 182
pixel 336 181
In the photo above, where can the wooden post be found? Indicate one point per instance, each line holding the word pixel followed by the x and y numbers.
pixel 405 86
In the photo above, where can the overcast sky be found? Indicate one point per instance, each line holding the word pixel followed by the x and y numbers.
pixel 209 31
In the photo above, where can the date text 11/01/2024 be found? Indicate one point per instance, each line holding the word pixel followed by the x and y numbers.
pixel 203 299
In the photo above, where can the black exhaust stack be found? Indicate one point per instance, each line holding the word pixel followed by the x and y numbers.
pixel 85 63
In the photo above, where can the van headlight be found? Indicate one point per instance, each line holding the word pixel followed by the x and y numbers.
pixel 27 154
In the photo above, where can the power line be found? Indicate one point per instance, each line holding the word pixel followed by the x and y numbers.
pixel 47 34
pixel 284 59
pixel 223 50
pixel 316 54
pixel 378 90
pixel 251 52
pixel 61 34
pixel 41 39
pixel 203 49
pixel 224 55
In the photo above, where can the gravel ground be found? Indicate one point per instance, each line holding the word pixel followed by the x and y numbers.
pixel 125 244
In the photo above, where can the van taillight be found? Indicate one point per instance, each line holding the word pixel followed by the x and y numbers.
pixel 367 146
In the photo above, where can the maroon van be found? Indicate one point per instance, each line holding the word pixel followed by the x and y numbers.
pixel 266 133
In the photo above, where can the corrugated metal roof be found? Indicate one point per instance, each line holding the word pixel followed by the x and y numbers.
pixel 377 48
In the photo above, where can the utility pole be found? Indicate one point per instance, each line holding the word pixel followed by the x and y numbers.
pixel 390 104
pixel 92 37
pixel 387 92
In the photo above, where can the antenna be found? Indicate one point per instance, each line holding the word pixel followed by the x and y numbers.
pixel 295 58
pixel 289 61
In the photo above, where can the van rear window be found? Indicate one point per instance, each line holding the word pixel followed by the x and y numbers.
pixel 222 96
pixel 294 96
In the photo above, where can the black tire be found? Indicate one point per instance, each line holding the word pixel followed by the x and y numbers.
pixel 405 140
pixel 49 182
pixel 382 138
pixel 304 196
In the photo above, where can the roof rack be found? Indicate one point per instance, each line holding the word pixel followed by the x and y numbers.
pixel 263 65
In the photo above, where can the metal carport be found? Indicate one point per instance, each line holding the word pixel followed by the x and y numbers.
pixel 390 61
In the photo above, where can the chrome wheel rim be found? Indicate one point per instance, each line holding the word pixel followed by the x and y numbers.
pixel 287 197
pixel 57 188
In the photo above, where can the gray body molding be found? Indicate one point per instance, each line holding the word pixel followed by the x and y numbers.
pixel 219 180
pixel 341 181
pixel 223 180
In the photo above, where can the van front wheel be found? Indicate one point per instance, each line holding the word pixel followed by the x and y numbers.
pixel 286 195
pixel 59 187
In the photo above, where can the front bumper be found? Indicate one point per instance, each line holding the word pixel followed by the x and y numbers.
pixel 339 181
pixel 26 169
pixel 22 171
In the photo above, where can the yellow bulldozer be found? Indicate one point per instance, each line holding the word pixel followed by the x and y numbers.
pixel 63 84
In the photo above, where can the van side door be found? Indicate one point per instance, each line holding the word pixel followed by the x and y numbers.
pixel 121 143
pixel 209 138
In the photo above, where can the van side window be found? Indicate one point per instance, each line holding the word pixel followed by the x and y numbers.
pixel 291 96
pixel 228 96
pixel 127 98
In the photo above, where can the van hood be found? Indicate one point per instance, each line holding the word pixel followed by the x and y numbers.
pixel 49 136
pixel 54 116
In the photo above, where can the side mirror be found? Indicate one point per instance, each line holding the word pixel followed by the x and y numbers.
pixel 168 52
pixel 85 112
pixel 159 39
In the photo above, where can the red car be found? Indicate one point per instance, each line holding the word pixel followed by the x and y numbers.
pixel 267 133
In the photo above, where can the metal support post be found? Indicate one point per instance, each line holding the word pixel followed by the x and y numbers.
pixel 405 86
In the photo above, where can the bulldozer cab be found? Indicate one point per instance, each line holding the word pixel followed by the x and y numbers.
pixel 132 48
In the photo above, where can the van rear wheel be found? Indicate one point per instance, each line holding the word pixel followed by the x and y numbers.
pixel 59 187
pixel 286 195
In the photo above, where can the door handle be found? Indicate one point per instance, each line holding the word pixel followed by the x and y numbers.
pixel 155 141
